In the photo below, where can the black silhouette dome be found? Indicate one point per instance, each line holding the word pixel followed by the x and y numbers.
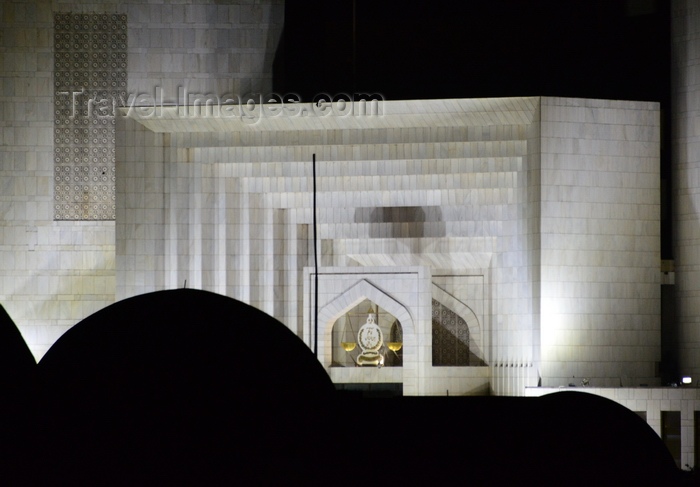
pixel 188 387
pixel 179 385
pixel 185 335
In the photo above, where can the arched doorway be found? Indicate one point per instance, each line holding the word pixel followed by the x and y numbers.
pixel 362 290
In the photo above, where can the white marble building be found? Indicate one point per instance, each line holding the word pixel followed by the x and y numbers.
pixel 538 217
pixel 507 243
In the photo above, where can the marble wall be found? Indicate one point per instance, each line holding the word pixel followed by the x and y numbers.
pixel 57 260
pixel 552 204
pixel 600 242
pixel 538 214
pixel 53 273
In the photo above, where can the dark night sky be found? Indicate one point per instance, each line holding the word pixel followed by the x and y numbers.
pixel 448 49
pixel 612 49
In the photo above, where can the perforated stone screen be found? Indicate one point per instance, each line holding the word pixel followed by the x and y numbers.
pixel 90 69
pixel 450 337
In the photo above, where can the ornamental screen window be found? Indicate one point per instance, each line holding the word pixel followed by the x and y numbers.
pixel 90 82
pixel 450 338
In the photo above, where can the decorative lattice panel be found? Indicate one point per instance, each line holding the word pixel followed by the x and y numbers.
pixel 450 337
pixel 90 68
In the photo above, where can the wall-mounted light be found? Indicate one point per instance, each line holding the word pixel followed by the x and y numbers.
pixel 687 380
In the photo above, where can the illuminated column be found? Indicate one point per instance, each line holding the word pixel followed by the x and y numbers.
pixel 221 226
pixel 278 246
pixel 194 237
pixel 261 252
pixel 241 252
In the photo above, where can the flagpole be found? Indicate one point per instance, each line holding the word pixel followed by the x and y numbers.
pixel 315 261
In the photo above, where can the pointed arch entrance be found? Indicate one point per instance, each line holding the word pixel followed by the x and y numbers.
pixel 350 298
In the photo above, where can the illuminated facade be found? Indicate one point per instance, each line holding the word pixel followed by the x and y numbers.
pixel 535 220
pixel 506 243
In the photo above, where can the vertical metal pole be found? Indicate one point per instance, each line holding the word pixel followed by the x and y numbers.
pixel 315 263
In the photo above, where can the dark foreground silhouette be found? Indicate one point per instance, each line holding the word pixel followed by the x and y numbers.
pixel 188 387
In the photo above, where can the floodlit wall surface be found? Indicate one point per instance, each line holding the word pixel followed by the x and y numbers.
pixel 600 242
pixel 57 233
pixel 440 185
pixel 539 213
pixel 537 217
pixel 53 273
